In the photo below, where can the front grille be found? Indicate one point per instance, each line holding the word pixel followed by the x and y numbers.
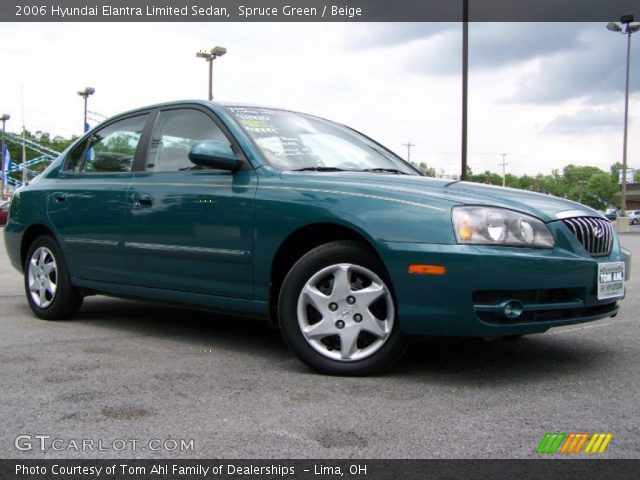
pixel 595 234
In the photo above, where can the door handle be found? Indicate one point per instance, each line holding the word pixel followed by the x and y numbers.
pixel 60 197
pixel 142 200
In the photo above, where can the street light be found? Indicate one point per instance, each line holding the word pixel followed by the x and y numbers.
pixel 210 55
pixel 86 93
pixel 627 21
pixel 5 117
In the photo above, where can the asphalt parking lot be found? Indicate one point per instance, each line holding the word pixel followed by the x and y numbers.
pixel 136 371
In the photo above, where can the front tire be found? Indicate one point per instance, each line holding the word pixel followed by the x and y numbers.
pixel 337 311
pixel 46 281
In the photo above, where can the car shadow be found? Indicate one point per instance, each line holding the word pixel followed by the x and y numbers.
pixel 200 330
pixel 487 362
pixel 440 360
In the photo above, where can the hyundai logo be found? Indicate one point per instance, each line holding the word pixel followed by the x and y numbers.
pixel 598 231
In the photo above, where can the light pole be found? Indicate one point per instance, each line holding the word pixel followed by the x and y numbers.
pixel 627 21
pixel 210 54
pixel 86 93
pixel 5 117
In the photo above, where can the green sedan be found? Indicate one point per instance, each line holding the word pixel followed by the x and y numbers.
pixel 316 228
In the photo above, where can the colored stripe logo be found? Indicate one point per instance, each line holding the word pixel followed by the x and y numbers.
pixel 558 442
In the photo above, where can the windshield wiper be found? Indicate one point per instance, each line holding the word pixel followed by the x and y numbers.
pixel 385 170
pixel 319 169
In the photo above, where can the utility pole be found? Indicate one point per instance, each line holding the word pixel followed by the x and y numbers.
pixel 465 85
pixel 504 171
pixel 409 145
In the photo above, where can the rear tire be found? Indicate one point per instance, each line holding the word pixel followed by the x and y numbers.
pixel 337 311
pixel 46 281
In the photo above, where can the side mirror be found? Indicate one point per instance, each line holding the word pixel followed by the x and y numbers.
pixel 215 154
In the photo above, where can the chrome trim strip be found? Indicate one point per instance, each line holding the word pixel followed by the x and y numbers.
pixel 90 241
pixel 572 213
pixel 180 248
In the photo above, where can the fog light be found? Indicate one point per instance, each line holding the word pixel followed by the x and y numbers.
pixel 513 309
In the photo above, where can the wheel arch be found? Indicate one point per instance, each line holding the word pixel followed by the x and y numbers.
pixel 300 242
pixel 31 233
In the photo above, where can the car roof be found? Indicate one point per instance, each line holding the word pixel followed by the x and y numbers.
pixel 204 103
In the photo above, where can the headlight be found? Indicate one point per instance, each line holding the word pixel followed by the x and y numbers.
pixel 498 226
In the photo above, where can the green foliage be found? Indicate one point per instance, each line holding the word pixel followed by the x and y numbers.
pixel 428 171
pixel 585 184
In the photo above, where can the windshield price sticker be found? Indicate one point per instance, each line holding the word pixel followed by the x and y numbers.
pixel 610 280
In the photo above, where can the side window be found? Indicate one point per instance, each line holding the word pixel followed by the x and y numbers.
pixel 175 132
pixel 110 149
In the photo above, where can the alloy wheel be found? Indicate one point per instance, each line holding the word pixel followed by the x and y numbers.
pixel 42 277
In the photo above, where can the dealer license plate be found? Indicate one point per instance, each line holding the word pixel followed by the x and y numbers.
pixel 610 280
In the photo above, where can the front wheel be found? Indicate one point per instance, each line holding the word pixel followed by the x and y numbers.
pixel 46 281
pixel 337 311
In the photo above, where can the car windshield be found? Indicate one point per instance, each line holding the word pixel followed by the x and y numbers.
pixel 294 141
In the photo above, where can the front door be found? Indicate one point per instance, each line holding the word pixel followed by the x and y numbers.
pixel 190 228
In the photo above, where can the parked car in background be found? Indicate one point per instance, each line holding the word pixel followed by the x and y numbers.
pixel 4 211
pixel 634 216
pixel 611 213
pixel 308 224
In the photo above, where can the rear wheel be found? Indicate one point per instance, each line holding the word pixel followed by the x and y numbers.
pixel 337 311
pixel 46 280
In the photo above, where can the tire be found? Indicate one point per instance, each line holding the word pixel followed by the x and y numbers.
pixel 46 281
pixel 337 311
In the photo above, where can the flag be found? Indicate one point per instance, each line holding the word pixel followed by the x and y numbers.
pixel 6 162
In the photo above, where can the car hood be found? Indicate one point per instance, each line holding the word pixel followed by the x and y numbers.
pixel 422 189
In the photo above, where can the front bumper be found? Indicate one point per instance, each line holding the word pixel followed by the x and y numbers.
pixel 556 286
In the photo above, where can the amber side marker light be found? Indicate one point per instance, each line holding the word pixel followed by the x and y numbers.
pixel 427 269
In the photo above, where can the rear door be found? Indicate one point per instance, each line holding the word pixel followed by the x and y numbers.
pixel 190 228
pixel 89 205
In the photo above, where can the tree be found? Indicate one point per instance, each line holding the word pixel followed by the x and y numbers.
pixel 428 171
pixel 602 187
pixel 615 170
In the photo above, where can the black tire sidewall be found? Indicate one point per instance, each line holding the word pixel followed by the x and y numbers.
pixel 309 264
pixel 67 300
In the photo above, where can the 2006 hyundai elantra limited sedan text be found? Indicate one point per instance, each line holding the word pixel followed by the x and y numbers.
pixel 309 224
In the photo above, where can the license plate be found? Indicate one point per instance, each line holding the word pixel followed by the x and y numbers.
pixel 610 280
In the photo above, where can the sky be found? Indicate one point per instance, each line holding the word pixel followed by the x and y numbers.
pixel 546 94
